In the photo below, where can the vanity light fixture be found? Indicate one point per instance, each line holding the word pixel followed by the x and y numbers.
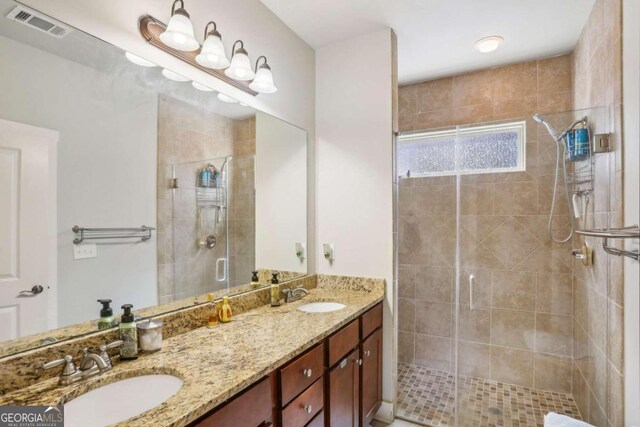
pixel 171 75
pixel 139 61
pixel 240 68
pixel 212 54
pixel 488 44
pixel 263 82
pixel 179 33
pixel 201 87
pixel 226 98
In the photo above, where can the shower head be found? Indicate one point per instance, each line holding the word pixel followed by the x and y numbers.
pixel 538 118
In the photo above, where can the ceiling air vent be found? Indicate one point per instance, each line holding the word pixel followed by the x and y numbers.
pixel 36 20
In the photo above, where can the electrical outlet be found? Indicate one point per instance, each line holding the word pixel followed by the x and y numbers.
pixel 85 250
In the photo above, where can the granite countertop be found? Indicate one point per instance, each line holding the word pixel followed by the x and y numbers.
pixel 217 363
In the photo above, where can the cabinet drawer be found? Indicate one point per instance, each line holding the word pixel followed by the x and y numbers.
pixel 370 321
pixel 250 409
pixel 303 408
pixel 342 342
pixel 318 421
pixel 301 373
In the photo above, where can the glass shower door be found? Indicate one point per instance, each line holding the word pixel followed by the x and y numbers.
pixel 200 226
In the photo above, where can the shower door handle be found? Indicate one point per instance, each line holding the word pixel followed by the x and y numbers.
pixel 222 261
pixel 472 282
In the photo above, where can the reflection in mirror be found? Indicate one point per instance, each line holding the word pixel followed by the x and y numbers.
pixel 95 138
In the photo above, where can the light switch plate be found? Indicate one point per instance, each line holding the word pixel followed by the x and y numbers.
pixel 85 250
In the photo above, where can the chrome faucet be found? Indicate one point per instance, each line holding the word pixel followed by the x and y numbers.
pixel 291 295
pixel 90 365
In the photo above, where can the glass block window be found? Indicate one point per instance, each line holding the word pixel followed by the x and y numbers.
pixel 466 150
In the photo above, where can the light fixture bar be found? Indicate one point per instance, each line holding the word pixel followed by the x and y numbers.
pixel 150 29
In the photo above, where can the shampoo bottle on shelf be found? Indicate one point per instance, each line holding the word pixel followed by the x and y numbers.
pixel 128 334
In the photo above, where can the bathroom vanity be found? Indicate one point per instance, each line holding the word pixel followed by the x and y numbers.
pixel 269 366
pixel 337 382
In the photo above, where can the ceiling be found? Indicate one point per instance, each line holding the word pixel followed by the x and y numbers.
pixel 436 37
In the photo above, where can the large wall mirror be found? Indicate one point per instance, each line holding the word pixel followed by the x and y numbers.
pixel 175 191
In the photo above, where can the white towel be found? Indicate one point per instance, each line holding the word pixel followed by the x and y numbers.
pixel 553 419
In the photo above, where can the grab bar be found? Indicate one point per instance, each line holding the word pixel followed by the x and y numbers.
pixel 472 281
pixel 629 232
pixel 87 233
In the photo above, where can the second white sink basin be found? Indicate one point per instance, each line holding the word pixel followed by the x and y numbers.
pixel 321 307
pixel 120 400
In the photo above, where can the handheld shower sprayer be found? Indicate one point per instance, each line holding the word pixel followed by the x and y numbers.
pixel 561 152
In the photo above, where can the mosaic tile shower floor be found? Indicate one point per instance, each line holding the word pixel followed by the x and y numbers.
pixel 426 396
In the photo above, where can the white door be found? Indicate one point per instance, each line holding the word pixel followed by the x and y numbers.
pixel 27 229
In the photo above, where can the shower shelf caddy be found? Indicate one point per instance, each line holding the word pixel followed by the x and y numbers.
pixel 630 232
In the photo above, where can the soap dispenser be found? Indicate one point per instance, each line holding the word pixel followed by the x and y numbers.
pixel 106 315
pixel 275 290
pixel 128 335
pixel 255 281
pixel 225 311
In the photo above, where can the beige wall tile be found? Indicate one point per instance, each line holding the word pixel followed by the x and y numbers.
pixel 580 392
pixel 433 352
pixel 474 359
pixel 475 325
pixel 407 281
pixel 615 336
pixel 515 198
pixel 472 88
pixel 554 334
pixel 553 373
pixel 515 81
pixel 615 397
pixel 435 94
pixel 554 293
pixel 514 290
pixel 554 74
pixel 510 243
pixel 512 366
pixel 433 318
pixel 511 328
pixel 434 283
pixel 406 343
pixel 406 315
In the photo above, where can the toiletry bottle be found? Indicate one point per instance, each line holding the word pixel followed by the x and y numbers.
pixel 225 311
pixel 213 313
pixel 106 315
pixel 571 144
pixel 275 290
pixel 582 140
pixel 255 281
pixel 204 178
pixel 128 335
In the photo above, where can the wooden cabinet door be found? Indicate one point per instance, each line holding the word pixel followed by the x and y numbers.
pixel 371 386
pixel 343 391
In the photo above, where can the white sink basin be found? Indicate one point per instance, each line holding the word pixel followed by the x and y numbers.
pixel 120 401
pixel 321 307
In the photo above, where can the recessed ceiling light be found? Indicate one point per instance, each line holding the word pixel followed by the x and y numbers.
pixel 201 87
pixel 174 76
pixel 226 98
pixel 488 44
pixel 139 61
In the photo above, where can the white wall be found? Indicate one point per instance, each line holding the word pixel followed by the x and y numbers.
pixel 106 171
pixel 292 60
pixel 631 97
pixel 281 194
pixel 354 142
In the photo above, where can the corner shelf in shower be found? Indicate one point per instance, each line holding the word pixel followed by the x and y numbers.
pixel 630 232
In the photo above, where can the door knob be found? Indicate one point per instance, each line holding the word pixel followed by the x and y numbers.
pixel 35 290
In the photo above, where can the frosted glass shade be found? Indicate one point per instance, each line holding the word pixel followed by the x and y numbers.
pixel 226 98
pixel 240 68
pixel 139 61
pixel 263 83
pixel 179 34
pixel 212 54
pixel 201 87
pixel 174 76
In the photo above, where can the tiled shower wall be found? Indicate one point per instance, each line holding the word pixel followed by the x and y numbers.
pixel 520 331
pixel 187 133
pixel 242 212
pixel 598 298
